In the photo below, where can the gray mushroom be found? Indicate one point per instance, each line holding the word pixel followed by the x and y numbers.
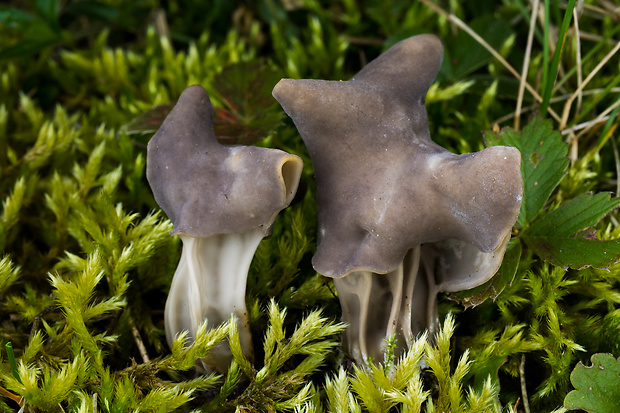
pixel 223 201
pixel 400 218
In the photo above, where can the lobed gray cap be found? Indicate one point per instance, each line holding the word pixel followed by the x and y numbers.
pixel 207 188
pixel 383 187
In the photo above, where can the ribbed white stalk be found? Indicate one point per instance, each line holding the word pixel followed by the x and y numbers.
pixel 209 284
pixel 377 306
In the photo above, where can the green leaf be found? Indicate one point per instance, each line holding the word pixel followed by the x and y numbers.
pixel 543 163
pixel 149 121
pixel 15 18
pixel 492 288
pixel 561 237
pixel 464 54
pixel 597 387
pixel 93 9
pixel 26 48
pixel 48 10
pixel 577 214
pixel 37 31
pixel 243 96
pixel 244 108
pixel 577 253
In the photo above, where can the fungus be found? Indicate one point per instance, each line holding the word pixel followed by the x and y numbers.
pixel 400 217
pixel 223 201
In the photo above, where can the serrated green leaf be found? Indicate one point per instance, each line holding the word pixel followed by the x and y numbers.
pixel 543 163
pixel 243 93
pixel 576 253
pixel 576 215
pixel 597 386
pixel 561 237
pixel 493 287
pixel 149 121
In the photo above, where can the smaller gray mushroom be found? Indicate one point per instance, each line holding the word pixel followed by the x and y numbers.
pixel 400 217
pixel 223 200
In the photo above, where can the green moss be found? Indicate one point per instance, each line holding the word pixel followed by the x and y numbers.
pixel 86 259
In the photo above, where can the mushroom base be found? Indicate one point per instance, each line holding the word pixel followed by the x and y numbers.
pixel 401 303
pixel 209 284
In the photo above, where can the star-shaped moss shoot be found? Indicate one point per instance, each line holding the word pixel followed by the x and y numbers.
pixel 223 201
pixel 400 218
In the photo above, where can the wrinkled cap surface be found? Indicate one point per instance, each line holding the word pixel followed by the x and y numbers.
pixel 207 188
pixel 383 187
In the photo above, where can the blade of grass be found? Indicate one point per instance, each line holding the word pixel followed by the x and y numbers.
pixel 528 17
pixel 591 53
pixel 600 93
pixel 585 125
pixel 617 162
pixel 603 12
pixel 597 98
pixel 458 22
pixel 555 8
pixel 555 62
pixel 526 63
pixel 11 396
pixel 600 118
pixel 546 34
pixel 593 73
pixel 578 59
pixel 608 130
pixel 12 362
pixel 526 400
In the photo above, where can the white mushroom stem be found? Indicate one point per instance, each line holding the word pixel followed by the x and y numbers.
pixel 209 284
pixel 403 302
pixel 377 306
pixel 354 294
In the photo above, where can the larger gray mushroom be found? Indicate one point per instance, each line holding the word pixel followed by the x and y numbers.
pixel 400 218
pixel 223 201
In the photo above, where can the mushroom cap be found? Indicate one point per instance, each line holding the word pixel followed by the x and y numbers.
pixel 207 188
pixel 460 266
pixel 383 187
